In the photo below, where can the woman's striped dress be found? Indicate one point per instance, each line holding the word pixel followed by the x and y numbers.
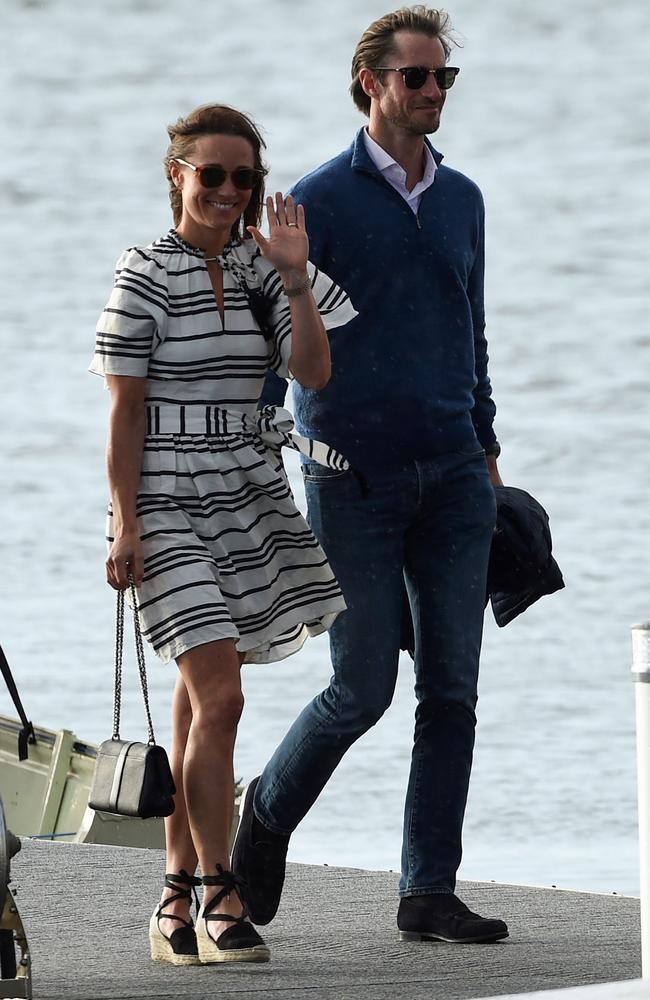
pixel 227 554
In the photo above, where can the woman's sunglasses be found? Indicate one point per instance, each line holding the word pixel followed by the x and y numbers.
pixel 212 175
pixel 415 77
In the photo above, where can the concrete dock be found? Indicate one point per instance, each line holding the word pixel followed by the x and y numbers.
pixel 86 911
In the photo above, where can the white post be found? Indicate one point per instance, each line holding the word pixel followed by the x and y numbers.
pixel 641 675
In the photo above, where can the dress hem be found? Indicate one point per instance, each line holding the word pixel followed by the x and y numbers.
pixel 262 647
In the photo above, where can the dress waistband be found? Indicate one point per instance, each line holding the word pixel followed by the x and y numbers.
pixel 272 424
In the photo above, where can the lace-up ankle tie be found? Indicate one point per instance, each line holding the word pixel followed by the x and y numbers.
pixel 180 948
pixel 239 942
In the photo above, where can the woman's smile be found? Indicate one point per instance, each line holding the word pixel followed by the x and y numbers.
pixel 209 213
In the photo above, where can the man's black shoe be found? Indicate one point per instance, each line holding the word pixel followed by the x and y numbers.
pixel 443 917
pixel 259 858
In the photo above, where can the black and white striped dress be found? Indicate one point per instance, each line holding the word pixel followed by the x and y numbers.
pixel 227 553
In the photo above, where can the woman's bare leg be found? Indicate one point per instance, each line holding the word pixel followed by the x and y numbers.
pixel 212 677
pixel 181 854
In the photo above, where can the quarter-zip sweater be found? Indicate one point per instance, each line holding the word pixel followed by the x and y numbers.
pixel 409 373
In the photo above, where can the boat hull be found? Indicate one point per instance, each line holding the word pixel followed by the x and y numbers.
pixel 46 796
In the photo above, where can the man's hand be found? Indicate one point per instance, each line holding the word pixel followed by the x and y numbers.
pixel 495 478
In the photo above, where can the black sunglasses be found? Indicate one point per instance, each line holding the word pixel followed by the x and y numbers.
pixel 415 77
pixel 212 175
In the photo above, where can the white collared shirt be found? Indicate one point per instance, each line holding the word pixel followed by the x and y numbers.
pixel 396 175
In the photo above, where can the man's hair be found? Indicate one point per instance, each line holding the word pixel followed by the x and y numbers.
pixel 377 44
pixel 216 119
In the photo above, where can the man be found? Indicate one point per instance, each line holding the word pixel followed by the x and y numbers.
pixel 409 404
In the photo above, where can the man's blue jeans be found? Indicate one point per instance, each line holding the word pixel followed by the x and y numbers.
pixel 429 524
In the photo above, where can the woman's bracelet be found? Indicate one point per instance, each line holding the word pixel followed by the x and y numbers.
pixel 304 286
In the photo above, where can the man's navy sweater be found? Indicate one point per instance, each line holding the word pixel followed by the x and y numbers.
pixel 409 373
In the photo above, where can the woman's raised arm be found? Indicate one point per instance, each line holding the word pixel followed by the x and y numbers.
pixel 287 249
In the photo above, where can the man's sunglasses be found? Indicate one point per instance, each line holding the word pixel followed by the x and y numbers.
pixel 415 77
pixel 212 175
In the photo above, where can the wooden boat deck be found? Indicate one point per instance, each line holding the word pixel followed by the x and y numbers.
pixel 86 909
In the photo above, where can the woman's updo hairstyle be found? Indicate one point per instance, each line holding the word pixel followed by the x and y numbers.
pixel 216 119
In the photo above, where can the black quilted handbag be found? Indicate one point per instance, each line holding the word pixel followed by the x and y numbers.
pixel 131 778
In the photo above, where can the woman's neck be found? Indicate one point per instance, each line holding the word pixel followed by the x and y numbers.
pixel 211 241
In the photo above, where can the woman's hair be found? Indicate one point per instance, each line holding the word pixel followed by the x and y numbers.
pixel 377 43
pixel 217 119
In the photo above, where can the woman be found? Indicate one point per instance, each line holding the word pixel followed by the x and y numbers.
pixel 201 514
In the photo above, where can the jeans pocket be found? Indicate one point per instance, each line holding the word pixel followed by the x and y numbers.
pixel 315 473
pixel 471 450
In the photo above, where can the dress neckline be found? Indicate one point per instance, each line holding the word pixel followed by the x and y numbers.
pixel 237 264
pixel 198 251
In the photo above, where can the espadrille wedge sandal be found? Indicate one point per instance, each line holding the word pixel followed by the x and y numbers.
pixel 180 948
pixel 238 943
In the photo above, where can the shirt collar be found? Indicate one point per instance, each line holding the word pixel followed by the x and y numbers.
pixel 362 160
pixel 385 162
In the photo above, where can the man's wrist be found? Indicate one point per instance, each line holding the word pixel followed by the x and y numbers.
pixel 493 449
pixel 493 470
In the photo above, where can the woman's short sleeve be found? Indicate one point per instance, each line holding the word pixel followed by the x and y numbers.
pixel 134 319
pixel 332 302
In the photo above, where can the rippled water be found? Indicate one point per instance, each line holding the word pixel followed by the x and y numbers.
pixel 550 116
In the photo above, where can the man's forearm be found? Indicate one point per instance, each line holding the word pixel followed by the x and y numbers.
pixel 495 478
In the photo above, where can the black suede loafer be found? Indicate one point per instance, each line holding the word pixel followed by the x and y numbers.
pixel 259 859
pixel 444 917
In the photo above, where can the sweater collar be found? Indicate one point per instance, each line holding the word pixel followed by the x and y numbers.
pixel 362 161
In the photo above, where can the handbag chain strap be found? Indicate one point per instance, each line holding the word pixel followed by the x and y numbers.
pixel 119 647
